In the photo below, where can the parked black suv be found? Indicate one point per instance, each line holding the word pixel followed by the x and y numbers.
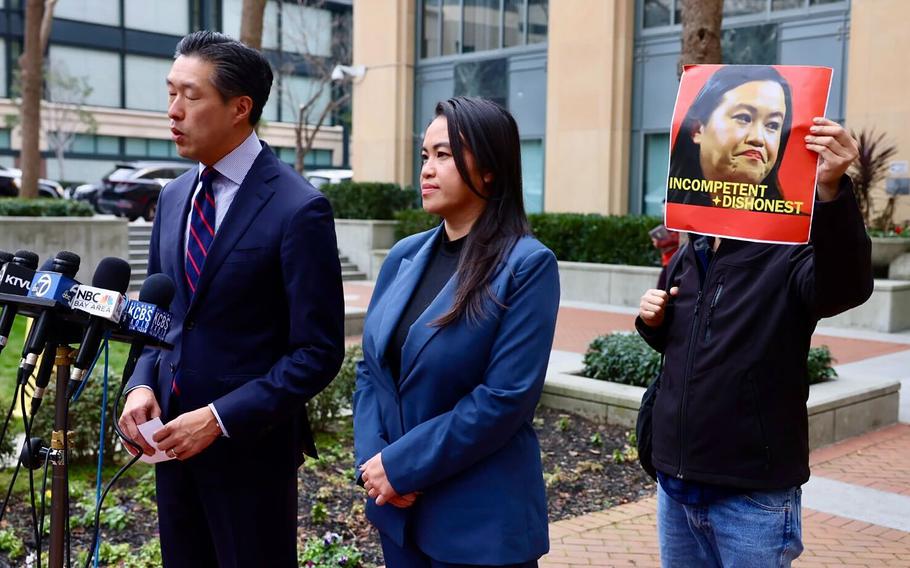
pixel 11 180
pixel 131 189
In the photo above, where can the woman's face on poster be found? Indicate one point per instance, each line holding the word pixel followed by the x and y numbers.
pixel 741 140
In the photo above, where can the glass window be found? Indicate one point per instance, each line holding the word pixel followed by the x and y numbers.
pixel 100 68
pixel 317 157
pixel 3 91
pixel 230 21
pixel 819 2
pixel 513 23
pixel 93 11
pixel 162 16
pixel 4 138
pixel 306 30
pixel 537 20
pixel 752 45
pixel 656 164
pixel 481 25
pixel 270 110
pixel 83 144
pixel 451 30
pixel 657 13
pixel 136 147
pixel 429 45
pixel 297 91
pixel 787 4
pixel 740 7
pixel 146 87
pixel 488 79
pixel 159 148
pixel 532 174
pixel 108 145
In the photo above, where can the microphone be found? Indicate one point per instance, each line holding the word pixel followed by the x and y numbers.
pixel 56 284
pixel 4 258
pixel 104 302
pixel 21 267
pixel 147 318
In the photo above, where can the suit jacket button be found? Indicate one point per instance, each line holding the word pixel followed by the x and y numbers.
pixel 173 367
pixel 190 324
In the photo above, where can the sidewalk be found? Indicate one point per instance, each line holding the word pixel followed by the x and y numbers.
pixel 856 507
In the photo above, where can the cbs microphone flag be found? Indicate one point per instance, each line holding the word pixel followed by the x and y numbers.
pixel 739 167
pixel 99 302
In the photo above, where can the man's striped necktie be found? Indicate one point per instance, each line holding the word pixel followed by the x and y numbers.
pixel 202 229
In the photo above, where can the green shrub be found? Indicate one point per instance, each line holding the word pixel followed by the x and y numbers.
pixel 329 552
pixel 625 358
pixel 329 404
pixel 581 237
pixel 10 544
pixel 413 221
pixel 368 200
pixel 16 207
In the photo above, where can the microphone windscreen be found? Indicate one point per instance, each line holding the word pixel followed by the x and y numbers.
pixel 47 265
pixel 112 274
pixel 66 263
pixel 26 258
pixel 157 289
pixel 5 257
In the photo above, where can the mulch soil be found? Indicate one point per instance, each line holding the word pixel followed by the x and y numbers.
pixel 587 467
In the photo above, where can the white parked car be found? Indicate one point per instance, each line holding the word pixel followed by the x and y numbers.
pixel 320 178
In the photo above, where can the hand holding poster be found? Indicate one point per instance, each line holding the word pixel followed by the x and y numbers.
pixel 732 172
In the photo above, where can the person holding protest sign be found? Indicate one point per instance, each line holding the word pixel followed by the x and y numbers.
pixel 730 426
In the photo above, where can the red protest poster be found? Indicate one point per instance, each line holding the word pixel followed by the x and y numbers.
pixel 739 167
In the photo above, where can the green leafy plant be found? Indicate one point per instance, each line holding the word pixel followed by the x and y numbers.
pixel 16 207
pixel 413 221
pixel 149 556
pixel 329 552
pixel 336 398
pixel 11 544
pixel 368 200
pixel 318 513
pixel 603 239
pixel 625 358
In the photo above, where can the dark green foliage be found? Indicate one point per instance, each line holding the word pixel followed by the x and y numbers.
pixel 368 200
pixel 595 238
pixel 15 207
pixel 625 358
pixel 413 221
pixel 328 405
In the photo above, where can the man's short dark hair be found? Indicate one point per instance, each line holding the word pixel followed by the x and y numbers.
pixel 239 70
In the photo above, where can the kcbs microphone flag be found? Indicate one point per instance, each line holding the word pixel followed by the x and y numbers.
pixel 739 166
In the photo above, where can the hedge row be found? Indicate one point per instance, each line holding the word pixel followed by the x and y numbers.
pixel 18 207
pixel 368 200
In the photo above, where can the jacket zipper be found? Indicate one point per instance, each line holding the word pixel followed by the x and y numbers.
pixel 720 289
pixel 689 362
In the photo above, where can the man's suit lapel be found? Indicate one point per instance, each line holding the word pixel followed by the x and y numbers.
pixel 252 196
pixel 177 245
pixel 401 290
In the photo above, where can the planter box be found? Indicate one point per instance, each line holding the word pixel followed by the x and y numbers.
pixel 841 408
pixel 888 310
pixel 92 238
pixel 887 249
pixel 613 284
pixel 357 238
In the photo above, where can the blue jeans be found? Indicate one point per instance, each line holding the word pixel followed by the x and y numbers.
pixel 762 529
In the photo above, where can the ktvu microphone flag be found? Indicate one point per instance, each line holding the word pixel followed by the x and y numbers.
pixel 739 166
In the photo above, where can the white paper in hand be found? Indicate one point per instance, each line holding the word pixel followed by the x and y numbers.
pixel 148 430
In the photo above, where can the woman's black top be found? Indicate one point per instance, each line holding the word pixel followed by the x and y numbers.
pixel 440 268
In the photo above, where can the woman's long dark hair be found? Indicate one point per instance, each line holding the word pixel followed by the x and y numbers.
pixel 685 159
pixel 490 133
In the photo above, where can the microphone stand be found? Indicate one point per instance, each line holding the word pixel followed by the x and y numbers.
pixel 61 441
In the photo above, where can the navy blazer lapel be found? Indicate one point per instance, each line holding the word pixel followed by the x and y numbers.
pixel 253 194
pixel 183 194
pixel 400 291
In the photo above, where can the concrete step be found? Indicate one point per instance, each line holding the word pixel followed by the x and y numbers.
pixel 343 259
pixel 139 243
pixel 352 275
pixel 348 267
pixel 138 253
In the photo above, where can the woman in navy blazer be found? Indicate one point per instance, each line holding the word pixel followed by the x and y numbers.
pixel 456 344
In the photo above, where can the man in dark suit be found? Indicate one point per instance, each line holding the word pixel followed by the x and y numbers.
pixel 258 320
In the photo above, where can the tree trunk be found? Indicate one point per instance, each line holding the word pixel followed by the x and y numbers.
pixel 31 64
pixel 251 23
pixel 300 152
pixel 47 21
pixel 701 29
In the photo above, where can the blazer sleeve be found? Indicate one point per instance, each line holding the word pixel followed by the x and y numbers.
pixel 369 438
pixel 146 373
pixel 312 284
pixel 491 414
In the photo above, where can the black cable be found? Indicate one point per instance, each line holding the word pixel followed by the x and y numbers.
pixel 31 473
pixel 110 484
pixel 66 474
pixel 18 462
pixel 9 415
pixel 47 457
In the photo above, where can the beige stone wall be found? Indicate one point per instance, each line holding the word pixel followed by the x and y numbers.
pixel 589 93
pixel 878 77
pixel 383 100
